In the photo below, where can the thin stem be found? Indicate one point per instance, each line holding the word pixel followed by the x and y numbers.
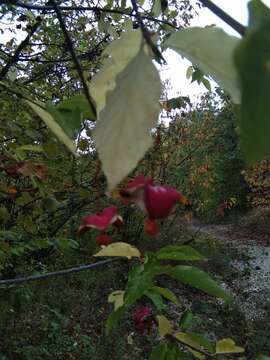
pixel 73 55
pixel 241 29
pixel 58 273
pixel 145 33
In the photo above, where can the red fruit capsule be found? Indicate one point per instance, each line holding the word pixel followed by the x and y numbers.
pixel 103 240
pixel 100 221
pixel 151 227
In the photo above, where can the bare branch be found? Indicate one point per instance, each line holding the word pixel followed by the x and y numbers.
pixel 73 55
pixel 146 34
pixel 19 49
pixel 241 29
pixel 58 273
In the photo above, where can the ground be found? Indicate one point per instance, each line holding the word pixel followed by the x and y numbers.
pixel 253 263
pixel 64 318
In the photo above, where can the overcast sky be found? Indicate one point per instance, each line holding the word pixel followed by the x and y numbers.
pixel 176 67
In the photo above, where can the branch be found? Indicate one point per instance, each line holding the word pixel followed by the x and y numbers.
pixel 73 55
pixel 58 273
pixel 85 56
pixel 146 34
pixel 88 8
pixel 19 49
pixel 241 29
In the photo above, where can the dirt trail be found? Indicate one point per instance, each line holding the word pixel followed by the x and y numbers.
pixel 252 286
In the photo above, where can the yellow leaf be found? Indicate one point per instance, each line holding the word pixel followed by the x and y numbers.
pixel 117 298
pixel 187 340
pixel 164 325
pixel 225 346
pixel 119 249
pixel 52 124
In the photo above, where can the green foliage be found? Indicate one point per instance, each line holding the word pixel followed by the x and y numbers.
pixel 206 164
pixel 186 320
pixel 199 279
pixel 159 352
pixel 175 252
pixel 252 59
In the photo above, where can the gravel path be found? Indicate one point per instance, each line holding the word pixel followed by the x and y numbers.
pixel 252 287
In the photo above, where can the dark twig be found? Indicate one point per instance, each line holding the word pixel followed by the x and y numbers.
pixel 241 29
pixel 59 273
pixel 73 55
pixel 90 8
pixel 19 49
pixel 85 56
pixel 146 34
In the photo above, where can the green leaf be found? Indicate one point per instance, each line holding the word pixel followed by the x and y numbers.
pixel 201 340
pixel 167 294
pixel 155 298
pixel 164 326
pixel 179 252
pixel 258 13
pixel 140 280
pixel 119 249
pixel 252 59
pixel 117 298
pixel 122 134
pixel 53 125
pixel 202 46
pixel 186 320
pixel 156 9
pixel 137 286
pixel 261 357
pixel 174 353
pixel 50 203
pixel 4 213
pixel 188 340
pixel 159 352
pixel 189 72
pixel 199 279
pixel 175 103
pixel 69 120
pixel 207 84
pixel 226 346
pixel 79 104
pixel 113 319
pixel 30 147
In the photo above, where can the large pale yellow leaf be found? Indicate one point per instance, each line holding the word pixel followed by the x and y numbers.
pixel 211 49
pixel 117 298
pixel 227 346
pixel 164 325
pixel 120 52
pixel 122 133
pixel 119 249
pixel 53 126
